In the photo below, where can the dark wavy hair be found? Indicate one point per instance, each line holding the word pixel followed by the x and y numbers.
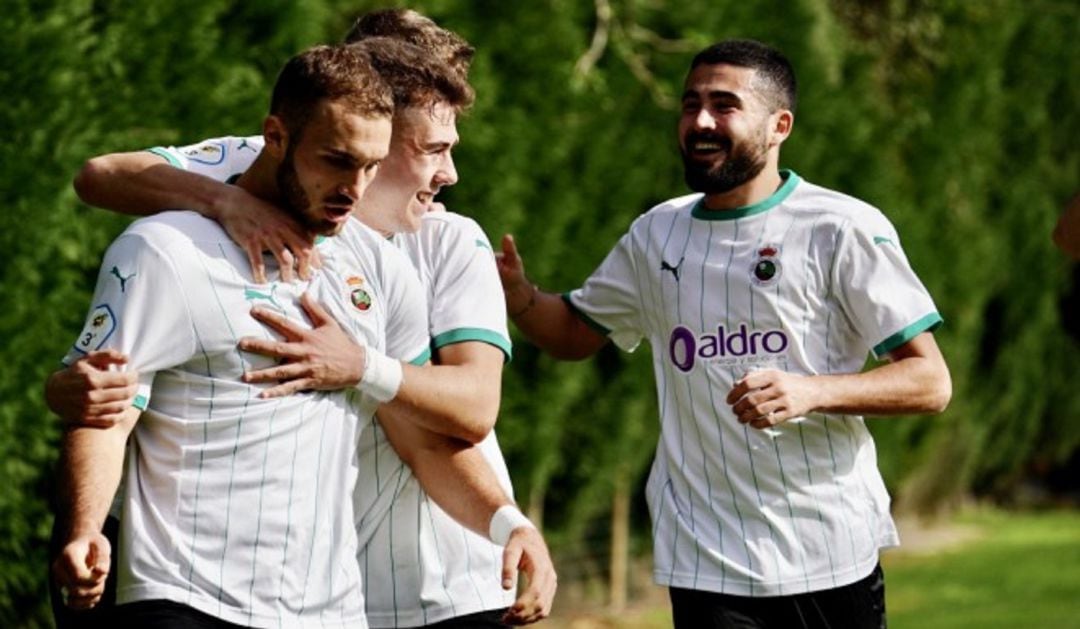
pixel 773 69
pixel 340 74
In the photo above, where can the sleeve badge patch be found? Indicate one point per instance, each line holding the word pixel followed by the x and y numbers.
pixel 100 325
pixel 209 153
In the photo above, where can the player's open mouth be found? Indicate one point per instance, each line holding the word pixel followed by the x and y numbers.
pixel 425 198
pixel 707 148
pixel 337 213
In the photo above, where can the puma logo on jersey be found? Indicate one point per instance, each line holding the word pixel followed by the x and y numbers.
pixel 252 294
pixel 664 266
pixel 123 280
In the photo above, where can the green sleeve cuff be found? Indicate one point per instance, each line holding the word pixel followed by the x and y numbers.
pixel 167 156
pixel 424 357
pixel 584 317
pixel 465 335
pixel 140 402
pixel 928 323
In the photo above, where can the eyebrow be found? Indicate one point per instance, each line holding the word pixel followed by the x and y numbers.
pixel 341 154
pixel 714 95
pixel 351 158
pixel 441 143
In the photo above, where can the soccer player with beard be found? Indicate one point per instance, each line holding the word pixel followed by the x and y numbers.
pixel 457 580
pixel 761 296
pixel 236 509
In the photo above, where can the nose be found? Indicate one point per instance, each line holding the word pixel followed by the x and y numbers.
pixel 355 184
pixel 704 119
pixel 447 173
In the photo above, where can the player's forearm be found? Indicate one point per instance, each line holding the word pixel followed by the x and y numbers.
pixel 90 470
pixel 55 397
pixel 141 183
pixel 549 324
pixel 452 400
pixel 454 473
pixel 911 383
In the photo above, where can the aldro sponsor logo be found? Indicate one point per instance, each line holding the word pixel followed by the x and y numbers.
pixel 741 346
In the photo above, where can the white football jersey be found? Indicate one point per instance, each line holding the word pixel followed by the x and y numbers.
pixel 420 565
pixel 235 505
pixel 808 281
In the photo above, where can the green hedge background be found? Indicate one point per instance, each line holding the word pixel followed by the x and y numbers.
pixel 958 118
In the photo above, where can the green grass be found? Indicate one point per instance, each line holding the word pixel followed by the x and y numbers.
pixel 1023 570
pixel 1015 571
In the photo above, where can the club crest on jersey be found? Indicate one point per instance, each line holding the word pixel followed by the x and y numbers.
pixel 209 153
pixel 360 297
pixel 100 325
pixel 767 268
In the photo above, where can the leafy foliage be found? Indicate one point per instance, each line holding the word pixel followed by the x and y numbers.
pixel 957 118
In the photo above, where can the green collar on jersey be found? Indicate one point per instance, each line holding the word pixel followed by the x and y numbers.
pixel 791 179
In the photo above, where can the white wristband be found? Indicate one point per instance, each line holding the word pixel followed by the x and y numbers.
pixel 382 376
pixel 503 523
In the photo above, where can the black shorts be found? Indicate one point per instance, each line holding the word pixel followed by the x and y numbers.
pixel 491 619
pixel 860 605
pixel 160 614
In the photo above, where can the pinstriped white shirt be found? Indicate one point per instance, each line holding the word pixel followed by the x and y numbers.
pixel 420 566
pixel 238 506
pixel 808 281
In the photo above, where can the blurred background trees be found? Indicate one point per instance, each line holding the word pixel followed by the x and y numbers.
pixel 959 119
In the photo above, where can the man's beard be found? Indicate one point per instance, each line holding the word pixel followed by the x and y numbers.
pixel 296 200
pixel 742 164
pixel 293 197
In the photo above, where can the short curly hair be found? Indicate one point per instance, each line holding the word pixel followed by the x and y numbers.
pixel 419 30
pixel 416 79
pixel 338 73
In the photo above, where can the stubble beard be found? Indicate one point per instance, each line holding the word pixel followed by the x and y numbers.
pixel 743 163
pixel 296 200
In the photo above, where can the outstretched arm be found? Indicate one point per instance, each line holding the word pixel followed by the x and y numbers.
pixel 456 475
pixel 142 183
pixel 915 380
pixel 543 317
pixel 90 469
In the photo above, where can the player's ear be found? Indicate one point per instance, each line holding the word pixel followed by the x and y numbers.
pixel 276 136
pixel 782 121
